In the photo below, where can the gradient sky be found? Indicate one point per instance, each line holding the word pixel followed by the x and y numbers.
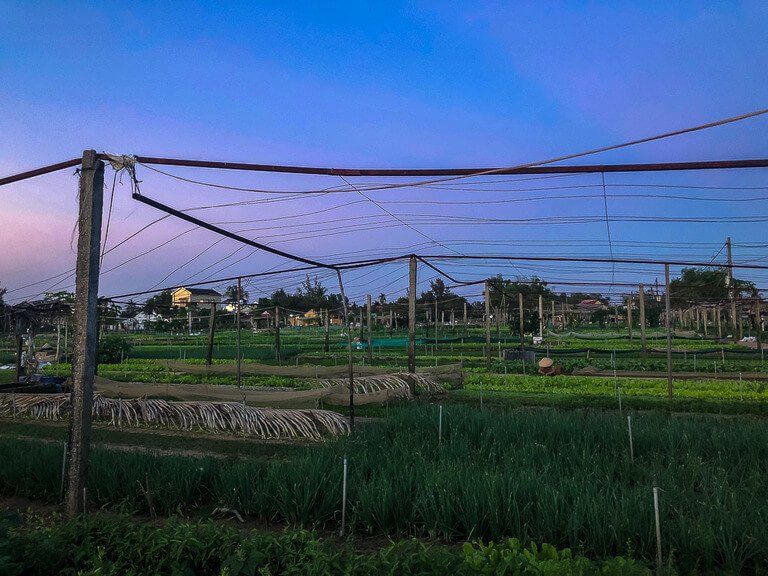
pixel 391 84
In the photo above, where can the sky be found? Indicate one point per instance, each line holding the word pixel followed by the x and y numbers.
pixel 351 84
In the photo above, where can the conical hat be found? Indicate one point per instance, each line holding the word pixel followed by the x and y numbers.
pixel 546 363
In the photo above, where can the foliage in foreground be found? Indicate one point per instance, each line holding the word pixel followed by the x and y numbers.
pixel 542 476
pixel 105 546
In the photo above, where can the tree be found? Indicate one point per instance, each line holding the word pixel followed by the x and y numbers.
pixel 699 285
pixel 439 292
pixel 131 310
pixel 230 295
pixel 160 304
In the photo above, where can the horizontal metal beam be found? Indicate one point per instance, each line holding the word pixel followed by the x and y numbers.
pixel 591 168
pixel 40 171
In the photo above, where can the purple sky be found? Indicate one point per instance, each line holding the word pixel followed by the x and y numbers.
pixel 396 85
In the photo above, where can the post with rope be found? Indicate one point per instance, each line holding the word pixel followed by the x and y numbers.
pixel 369 328
pixel 487 294
pixel 412 319
pixel 86 301
pixel 668 325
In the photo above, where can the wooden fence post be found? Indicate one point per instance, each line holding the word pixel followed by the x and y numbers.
pixel 368 321
pixel 86 301
pixel 211 333
pixel 668 323
pixel 487 325
pixel 412 319
pixel 239 355
pixel 277 333
pixel 641 295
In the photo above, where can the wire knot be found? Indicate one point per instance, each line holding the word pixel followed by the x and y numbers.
pixel 122 161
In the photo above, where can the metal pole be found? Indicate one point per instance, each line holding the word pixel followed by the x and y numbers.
pixel 412 319
pixel 239 355
pixel 668 324
pixel 86 336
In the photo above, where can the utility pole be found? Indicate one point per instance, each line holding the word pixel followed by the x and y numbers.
pixel 239 355
pixel 412 319
pixel 211 331
pixel 368 320
pixel 91 202
pixel 668 322
pixel 641 296
pixel 731 288
pixel 487 295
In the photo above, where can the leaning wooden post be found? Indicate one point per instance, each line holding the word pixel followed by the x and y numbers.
pixel 277 333
pixel 668 324
pixel 86 300
pixel 327 335
pixel 641 295
pixel 211 332
pixel 350 363
pixel 239 355
pixel 487 325
pixel 412 320
pixel 368 321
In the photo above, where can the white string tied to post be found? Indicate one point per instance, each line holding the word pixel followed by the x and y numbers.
pixel 122 161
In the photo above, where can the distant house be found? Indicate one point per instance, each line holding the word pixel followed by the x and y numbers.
pixel 202 297
pixel 309 318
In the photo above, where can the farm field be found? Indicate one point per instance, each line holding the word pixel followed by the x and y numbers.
pixel 566 478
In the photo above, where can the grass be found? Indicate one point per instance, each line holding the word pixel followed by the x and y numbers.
pixel 563 478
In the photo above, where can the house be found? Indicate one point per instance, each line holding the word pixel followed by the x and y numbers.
pixel 202 297
pixel 310 318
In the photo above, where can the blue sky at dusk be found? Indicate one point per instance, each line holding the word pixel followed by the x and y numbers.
pixel 425 84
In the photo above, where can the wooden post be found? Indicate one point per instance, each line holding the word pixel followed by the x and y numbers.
pixel 58 339
pixel 369 328
pixel 86 300
pixel 668 324
pixel 239 355
pixel 758 323
pixel 211 332
pixel 66 340
pixel 552 317
pixel 327 335
pixel 629 316
pixel 541 316
pixel 719 322
pixel 412 318
pixel 277 333
pixel 487 325
pixel 360 318
pixel 641 296
pixel 705 318
pixel 350 364
pixel 435 320
pixel 522 321
pixel 731 288
pixel 19 352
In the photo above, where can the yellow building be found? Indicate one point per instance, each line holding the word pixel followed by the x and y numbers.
pixel 202 297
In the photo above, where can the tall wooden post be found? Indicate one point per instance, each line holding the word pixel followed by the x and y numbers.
pixel 327 335
pixel 541 316
pixel 552 317
pixel 731 288
pixel 412 318
pixel 465 319
pixel 86 300
pixel 277 333
pixel 239 355
pixel 58 339
pixel 629 316
pixel 758 323
pixel 211 332
pixel 435 320
pixel 522 319
pixel 369 328
pixel 19 352
pixel 487 295
pixel 668 323
pixel 719 322
pixel 641 296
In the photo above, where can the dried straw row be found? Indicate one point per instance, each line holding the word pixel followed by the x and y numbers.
pixel 270 423
pixel 371 384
